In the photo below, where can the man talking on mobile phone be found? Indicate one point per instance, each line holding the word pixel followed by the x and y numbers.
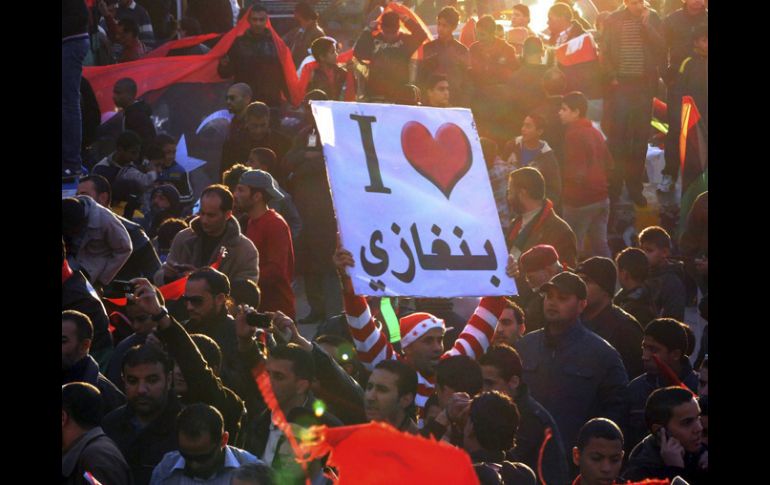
pixel 674 446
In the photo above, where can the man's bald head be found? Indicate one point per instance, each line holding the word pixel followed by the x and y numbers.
pixel 242 88
pixel 124 92
pixel 238 97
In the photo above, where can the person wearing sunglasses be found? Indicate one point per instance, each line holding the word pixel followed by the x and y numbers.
pixel 203 454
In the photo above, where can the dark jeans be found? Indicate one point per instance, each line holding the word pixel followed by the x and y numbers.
pixel 630 113
pixel 73 52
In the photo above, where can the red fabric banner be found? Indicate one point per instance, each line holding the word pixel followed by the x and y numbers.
pixel 157 72
pixel 690 116
pixel 468 34
pixel 163 50
pixel 579 50
pixel 377 453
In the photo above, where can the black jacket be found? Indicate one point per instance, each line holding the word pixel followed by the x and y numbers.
pixel 511 473
pixel 137 117
pixel 254 61
pixel 86 370
pixel 389 67
pixel 677 29
pixel 638 303
pixel 202 384
pixel 666 285
pixel 143 449
pixel 341 393
pixel 645 462
pixel 94 452
pixel 624 333
pixel 258 429
pixel 639 390
pixel 533 421
pixel 222 330
pixel 144 261
pixel 78 294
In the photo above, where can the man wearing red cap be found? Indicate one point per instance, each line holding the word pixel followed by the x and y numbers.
pixel 421 334
pixel 537 266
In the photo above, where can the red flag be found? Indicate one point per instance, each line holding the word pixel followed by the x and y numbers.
pixel 468 34
pixel 377 453
pixel 579 50
pixel 659 109
pixel 154 73
pixel 160 72
pixel 690 116
pixel 175 289
pixel 668 373
pixel 163 50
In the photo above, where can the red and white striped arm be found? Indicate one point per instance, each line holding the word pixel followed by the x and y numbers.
pixel 372 345
pixel 475 337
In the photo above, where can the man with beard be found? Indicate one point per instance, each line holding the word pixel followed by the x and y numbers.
pixel 143 428
pixel 571 371
pixel 203 455
pixel 200 245
pixel 237 99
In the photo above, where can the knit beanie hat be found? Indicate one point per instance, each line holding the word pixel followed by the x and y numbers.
pixel 416 325
pixel 601 270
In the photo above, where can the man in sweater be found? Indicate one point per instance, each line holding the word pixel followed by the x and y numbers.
pixel 585 168
pixel 272 238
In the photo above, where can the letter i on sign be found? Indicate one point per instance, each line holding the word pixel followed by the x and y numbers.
pixel 372 164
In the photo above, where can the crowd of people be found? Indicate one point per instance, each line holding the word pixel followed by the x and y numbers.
pixel 176 298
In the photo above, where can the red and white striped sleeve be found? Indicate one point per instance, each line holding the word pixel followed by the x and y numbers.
pixel 475 337
pixel 372 345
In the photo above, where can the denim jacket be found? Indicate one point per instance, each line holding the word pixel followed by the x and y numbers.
pixel 576 376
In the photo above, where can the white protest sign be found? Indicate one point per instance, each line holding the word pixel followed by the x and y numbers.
pixel 413 200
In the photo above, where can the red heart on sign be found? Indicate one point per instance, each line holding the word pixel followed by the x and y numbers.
pixel 443 160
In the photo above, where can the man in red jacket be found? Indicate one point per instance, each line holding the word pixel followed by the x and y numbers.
pixel 272 237
pixel 587 160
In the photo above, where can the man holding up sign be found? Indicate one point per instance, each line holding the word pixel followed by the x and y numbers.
pixel 421 334
pixel 415 205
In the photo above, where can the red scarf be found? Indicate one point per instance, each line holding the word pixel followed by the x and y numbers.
pixel 545 213
pixel 66 271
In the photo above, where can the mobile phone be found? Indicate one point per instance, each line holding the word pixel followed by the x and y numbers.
pixel 122 286
pixel 259 320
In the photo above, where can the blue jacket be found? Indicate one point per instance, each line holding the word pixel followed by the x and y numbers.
pixel 575 376
pixel 177 176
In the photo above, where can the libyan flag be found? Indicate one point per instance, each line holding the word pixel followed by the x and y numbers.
pixel 186 94
pixel 693 157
